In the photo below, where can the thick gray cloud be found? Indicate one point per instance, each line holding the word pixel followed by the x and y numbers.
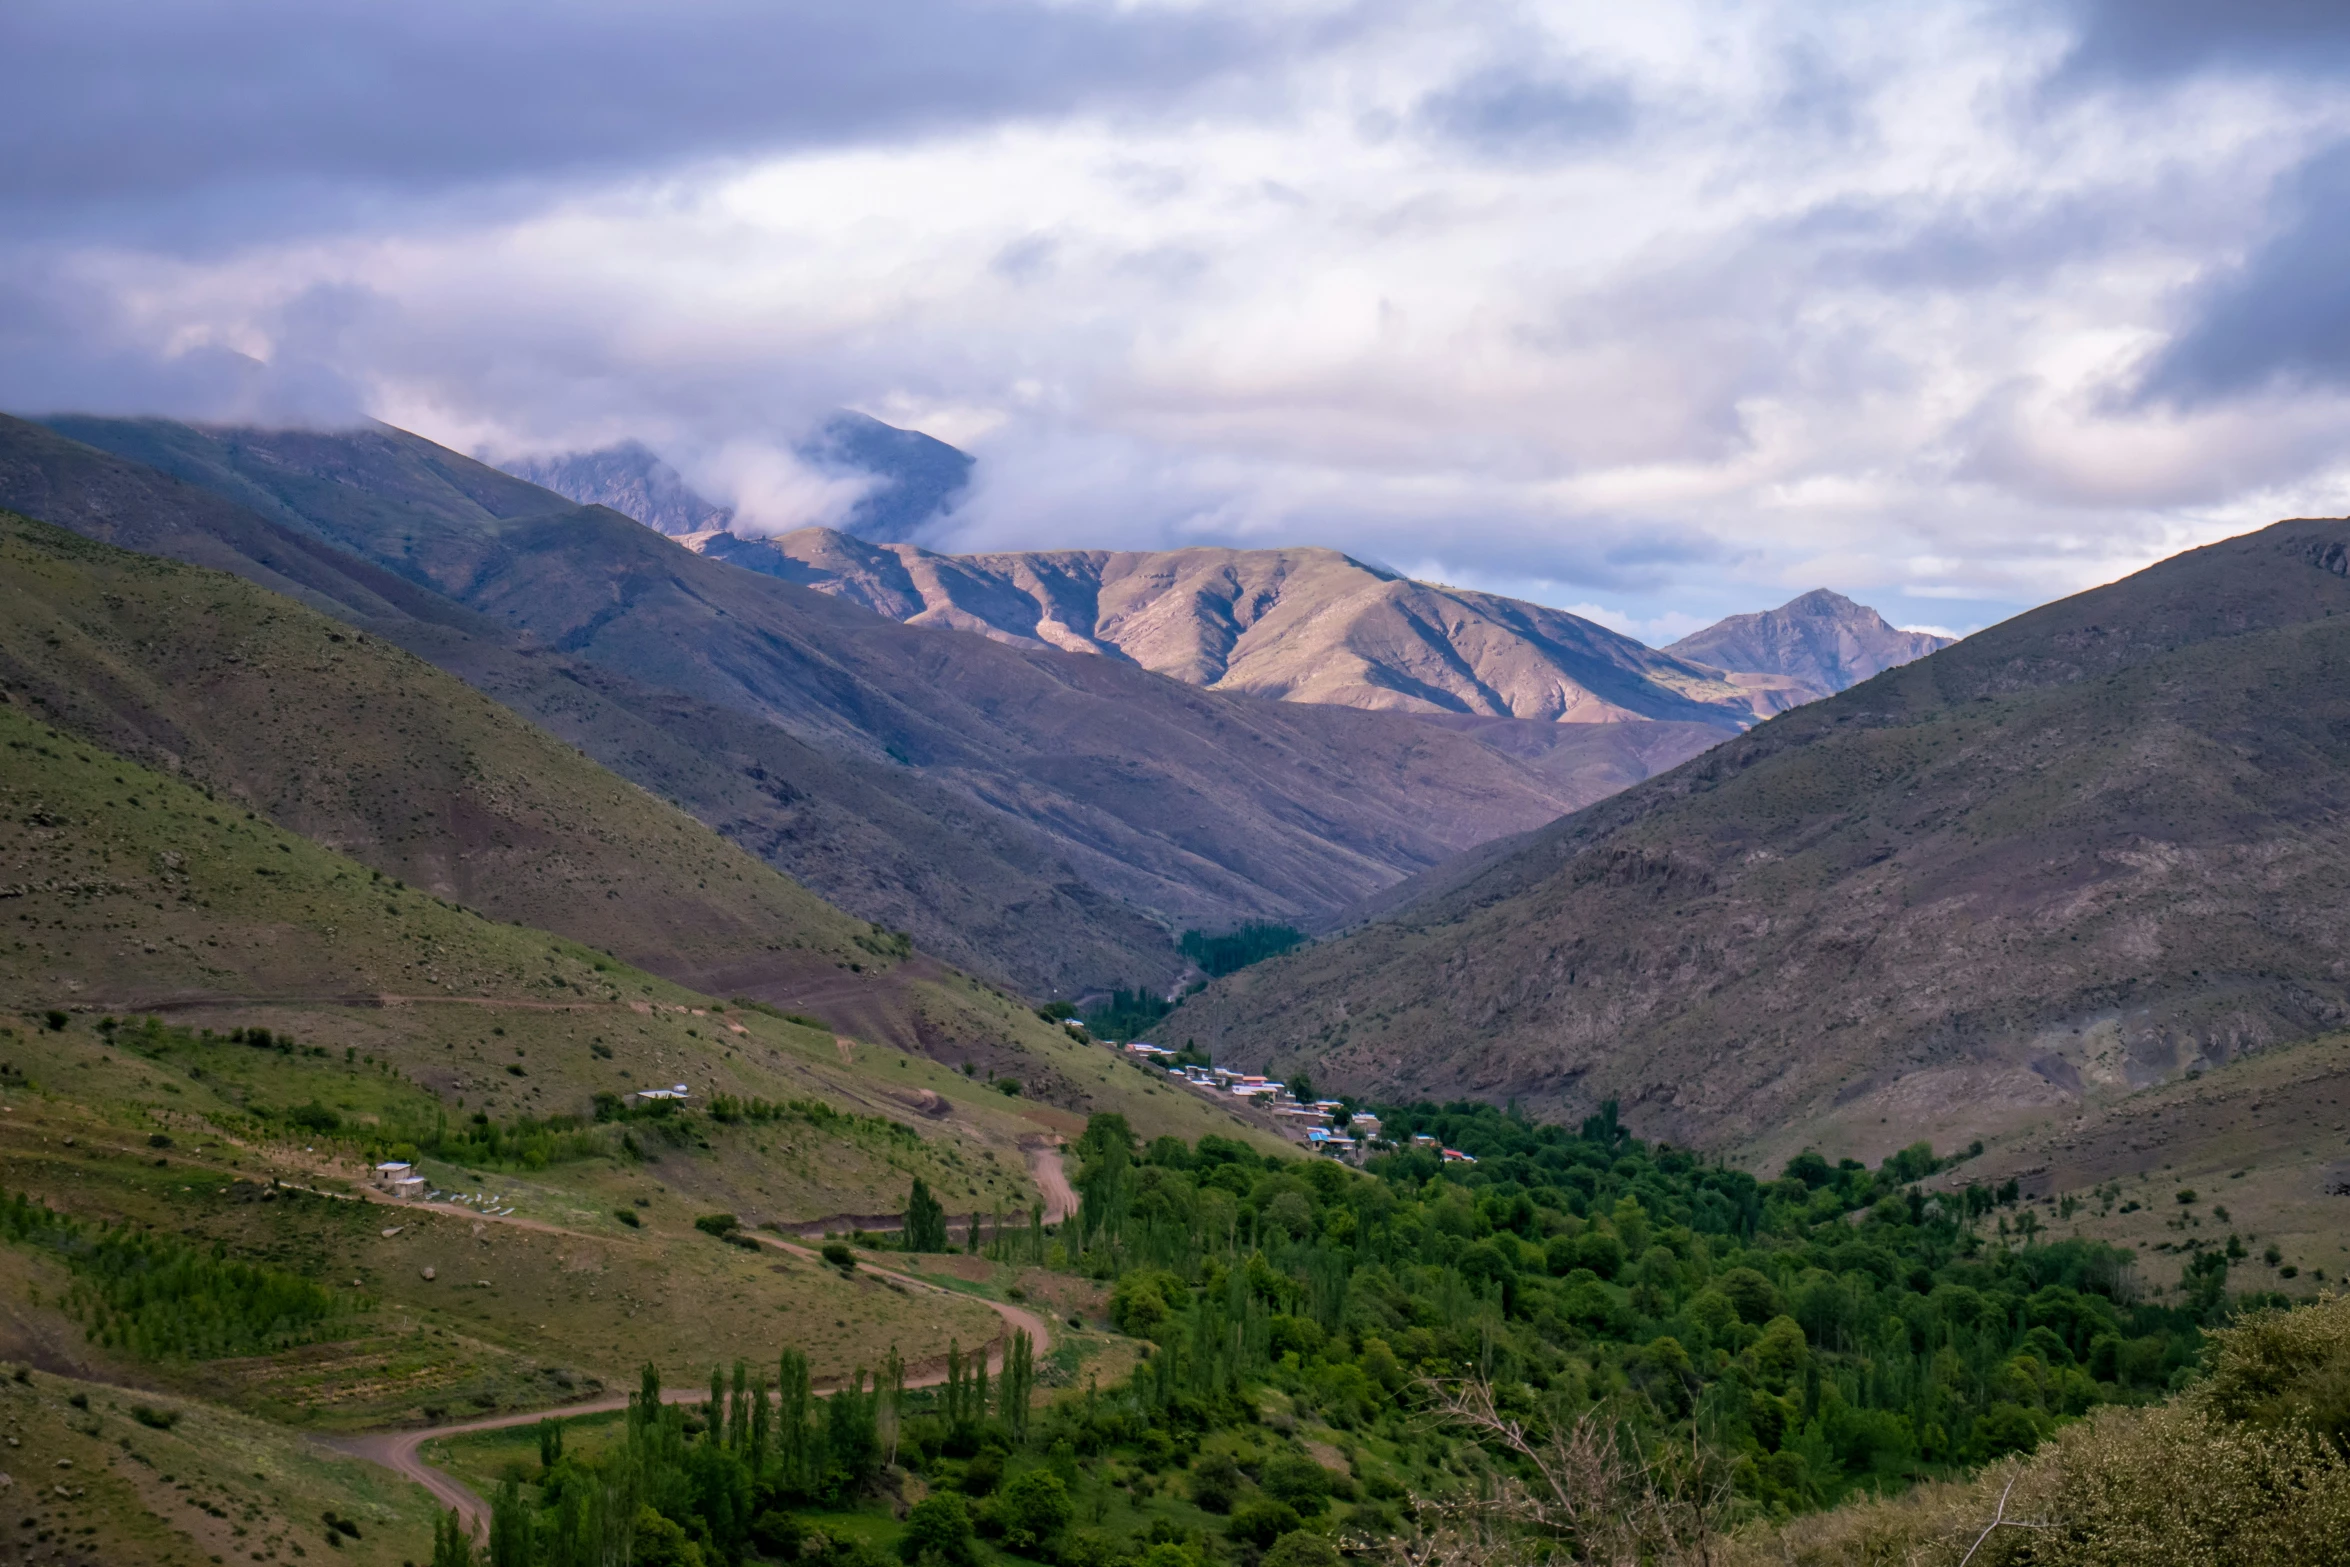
pixel 2283 317
pixel 186 120
pixel 1513 111
pixel 2170 38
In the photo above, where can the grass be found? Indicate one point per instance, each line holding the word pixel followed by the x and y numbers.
pixel 2257 1139
pixel 191 1484
pixel 113 859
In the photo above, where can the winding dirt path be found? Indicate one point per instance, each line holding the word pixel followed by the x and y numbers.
pixel 1052 1179
pixel 399 1452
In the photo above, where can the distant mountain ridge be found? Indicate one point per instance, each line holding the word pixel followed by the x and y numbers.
pixel 1303 625
pixel 1821 641
pixel 1315 625
pixel 916 478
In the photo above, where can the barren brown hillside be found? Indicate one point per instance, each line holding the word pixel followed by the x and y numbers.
pixel 1304 625
pixel 2097 846
pixel 1045 818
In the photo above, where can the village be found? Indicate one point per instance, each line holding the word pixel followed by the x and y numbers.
pixel 1324 1125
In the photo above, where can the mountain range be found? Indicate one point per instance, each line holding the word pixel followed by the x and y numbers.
pixel 2089 850
pixel 1046 819
pixel 1303 625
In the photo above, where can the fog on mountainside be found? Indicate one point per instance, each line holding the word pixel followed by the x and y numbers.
pixel 913 479
pixel 631 480
pixel 2086 850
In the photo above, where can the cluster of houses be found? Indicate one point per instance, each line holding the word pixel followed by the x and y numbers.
pixel 1315 1123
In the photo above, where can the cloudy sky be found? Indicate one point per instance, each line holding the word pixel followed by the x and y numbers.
pixel 1656 311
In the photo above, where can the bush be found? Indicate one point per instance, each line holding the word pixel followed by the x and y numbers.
pixel 717 1223
pixel 1299 1481
pixel 1299 1548
pixel 155 1419
pixel 1139 1304
pixel 1031 1510
pixel 1215 1481
pixel 627 1216
pixel 1263 1521
pixel 313 1117
pixel 838 1254
pixel 778 1534
pixel 938 1534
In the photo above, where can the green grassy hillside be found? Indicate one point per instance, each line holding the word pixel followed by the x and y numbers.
pixel 216 1027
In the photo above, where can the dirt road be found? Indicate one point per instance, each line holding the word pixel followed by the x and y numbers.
pixel 399 1452
pixel 1052 1179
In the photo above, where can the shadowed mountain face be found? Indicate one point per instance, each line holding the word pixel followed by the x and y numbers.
pixel 631 480
pixel 1303 625
pixel 2091 848
pixel 913 479
pixel 1043 817
pixel 1809 647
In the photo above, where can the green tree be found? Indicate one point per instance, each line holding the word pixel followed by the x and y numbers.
pixel 1263 1521
pixel 509 1526
pixel 1014 1393
pixel 926 1220
pixel 1297 1480
pixel 452 1543
pixel 1251 943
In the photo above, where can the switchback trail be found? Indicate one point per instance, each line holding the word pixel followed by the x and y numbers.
pixel 398 1450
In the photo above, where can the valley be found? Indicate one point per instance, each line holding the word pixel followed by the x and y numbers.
pixel 310 864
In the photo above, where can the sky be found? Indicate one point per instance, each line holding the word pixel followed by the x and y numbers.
pixel 1653 312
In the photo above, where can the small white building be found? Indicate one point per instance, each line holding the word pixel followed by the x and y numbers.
pixel 677 1091
pixel 399 1178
